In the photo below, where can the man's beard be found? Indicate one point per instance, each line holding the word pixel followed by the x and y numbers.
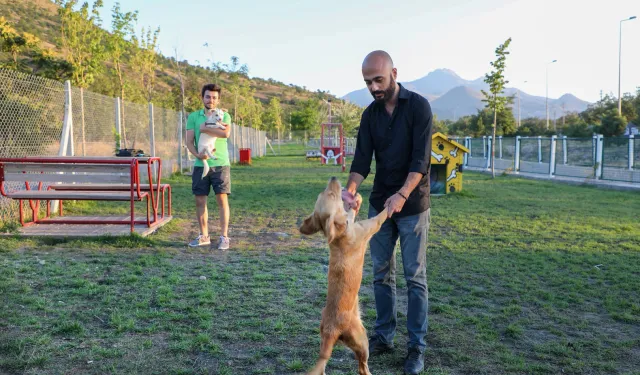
pixel 387 93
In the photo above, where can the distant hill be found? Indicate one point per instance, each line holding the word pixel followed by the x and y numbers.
pixel 452 96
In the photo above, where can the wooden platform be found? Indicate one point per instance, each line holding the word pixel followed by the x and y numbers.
pixel 86 230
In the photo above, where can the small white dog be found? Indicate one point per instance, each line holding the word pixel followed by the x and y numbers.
pixel 206 142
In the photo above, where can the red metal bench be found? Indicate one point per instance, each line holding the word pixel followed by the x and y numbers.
pixel 86 178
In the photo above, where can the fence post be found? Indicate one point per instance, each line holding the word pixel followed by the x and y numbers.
pixel 82 113
pixel 116 104
pixel 152 140
pixel 539 149
pixel 564 149
pixel 599 151
pixel 516 155
pixel 552 156
pixel 489 161
pixel 484 146
pixel 631 156
pixel 594 148
pixel 180 146
pixel 236 155
pixel 467 143
pixel 66 130
pixel 500 143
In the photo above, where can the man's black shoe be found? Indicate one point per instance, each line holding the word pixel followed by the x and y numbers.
pixel 377 347
pixel 414 363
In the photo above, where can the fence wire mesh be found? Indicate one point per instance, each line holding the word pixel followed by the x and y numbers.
pixel 31 117
pixel 32 111
pixel 534 154
pixel 575 157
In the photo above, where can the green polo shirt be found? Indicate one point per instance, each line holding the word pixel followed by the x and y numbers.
pixel 194 121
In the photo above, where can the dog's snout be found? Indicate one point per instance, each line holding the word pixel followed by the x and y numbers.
pixel 334 178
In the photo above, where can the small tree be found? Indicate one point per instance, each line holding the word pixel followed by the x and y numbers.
pixel 145 61
pixel 117 48
pixel 273 116
pixel 81 39
pixel 494 99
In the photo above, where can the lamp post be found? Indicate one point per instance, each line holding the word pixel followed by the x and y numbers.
pixel 547 96
pixel 519 110
pixel 620 65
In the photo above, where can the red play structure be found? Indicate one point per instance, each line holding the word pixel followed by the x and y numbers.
pixel 332 145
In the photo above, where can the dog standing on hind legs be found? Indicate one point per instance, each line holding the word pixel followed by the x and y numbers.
pixel 347 244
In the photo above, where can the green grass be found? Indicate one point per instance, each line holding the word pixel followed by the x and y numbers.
pixel 513 285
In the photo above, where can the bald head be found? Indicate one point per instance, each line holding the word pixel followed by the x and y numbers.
pixel 380 75
pixel 378 58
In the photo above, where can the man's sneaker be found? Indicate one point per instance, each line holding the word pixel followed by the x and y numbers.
pixel 200 241
pixel 224 243
pixel 414 363
pixel 377 347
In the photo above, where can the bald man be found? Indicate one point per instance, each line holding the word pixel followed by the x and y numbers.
pixel 397 127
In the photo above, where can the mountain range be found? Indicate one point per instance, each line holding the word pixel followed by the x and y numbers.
pixel 452 96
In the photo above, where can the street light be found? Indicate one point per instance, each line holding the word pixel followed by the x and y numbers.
pixel 519 110
pixel 620 65
pixel 547 97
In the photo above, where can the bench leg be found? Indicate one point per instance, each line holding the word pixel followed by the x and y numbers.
pixel 20 214
pixel 132 223
pixel 169 192
pixel 148 220
pixel 162 203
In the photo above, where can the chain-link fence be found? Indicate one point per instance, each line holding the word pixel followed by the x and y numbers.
pixel 32 119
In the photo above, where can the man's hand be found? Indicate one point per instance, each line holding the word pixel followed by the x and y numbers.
pixel 351 201
pixel 394 204
pixel 202 156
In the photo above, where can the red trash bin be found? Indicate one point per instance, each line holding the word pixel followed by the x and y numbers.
pixel 245 156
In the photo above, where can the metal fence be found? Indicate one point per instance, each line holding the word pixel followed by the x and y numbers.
pixel 39 116
pixel 611 158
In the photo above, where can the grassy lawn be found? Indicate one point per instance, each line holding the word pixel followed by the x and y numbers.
pixel 525 277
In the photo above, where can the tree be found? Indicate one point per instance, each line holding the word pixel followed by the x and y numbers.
pixel 348 114
pixel 81 39
pixel 14 43
pixel 49 66
pixel 118 47
pixel 273 116
pixel 612 124
pixel 145 61
pixel 307 117
pixel 496 102
pixel 479 128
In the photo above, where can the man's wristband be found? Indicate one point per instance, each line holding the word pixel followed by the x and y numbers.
pixel 399 193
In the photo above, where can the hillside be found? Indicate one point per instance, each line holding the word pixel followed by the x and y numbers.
pixel 39 17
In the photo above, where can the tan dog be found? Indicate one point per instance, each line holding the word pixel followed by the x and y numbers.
pixel 347 243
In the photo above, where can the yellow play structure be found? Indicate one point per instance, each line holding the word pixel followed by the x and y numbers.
pixel 447 158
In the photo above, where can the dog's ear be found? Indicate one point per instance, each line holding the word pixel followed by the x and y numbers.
pixel 310 225
pixel 335 226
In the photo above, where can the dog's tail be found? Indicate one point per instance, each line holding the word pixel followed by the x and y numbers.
pixel 205 169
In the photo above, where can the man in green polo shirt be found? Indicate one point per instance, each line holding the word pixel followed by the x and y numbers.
pixel 219 177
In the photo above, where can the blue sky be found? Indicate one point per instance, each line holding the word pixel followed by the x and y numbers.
pixel 321 44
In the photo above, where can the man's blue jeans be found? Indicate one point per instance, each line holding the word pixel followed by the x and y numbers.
pixel 413 232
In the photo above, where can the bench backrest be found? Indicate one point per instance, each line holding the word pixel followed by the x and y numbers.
pixel 66 172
